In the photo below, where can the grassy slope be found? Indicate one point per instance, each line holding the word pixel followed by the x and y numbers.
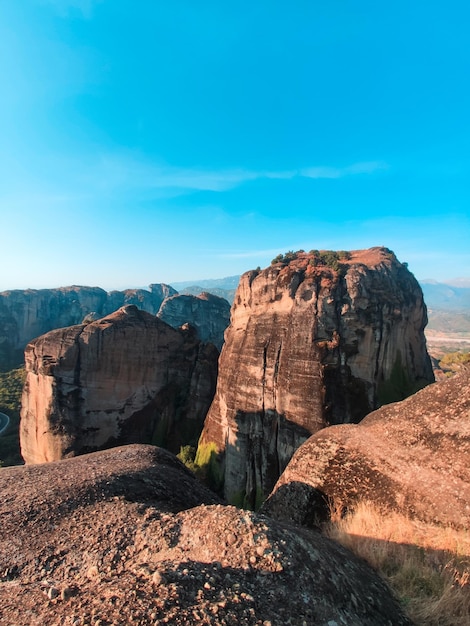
pixel 427 566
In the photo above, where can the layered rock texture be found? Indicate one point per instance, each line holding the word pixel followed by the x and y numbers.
pixel 26 314
pixel 126 378
pixel 410 456
pixel 316 339
pixel 110 538
pixel 209 314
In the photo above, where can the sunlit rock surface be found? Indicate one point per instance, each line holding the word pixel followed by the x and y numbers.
pixel 312 341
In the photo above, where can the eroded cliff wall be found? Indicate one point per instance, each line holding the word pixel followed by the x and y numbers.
pixel 209 314
pixel 313 341
pixel 26 314
pixel 126 378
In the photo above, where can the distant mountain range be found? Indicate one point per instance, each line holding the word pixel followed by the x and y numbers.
pixel 222 287
pixel 445 296
pixel 451 296
pixel 229 282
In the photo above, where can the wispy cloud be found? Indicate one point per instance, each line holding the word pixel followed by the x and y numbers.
pixel 128 173
pixel 367 167
pixel 115 171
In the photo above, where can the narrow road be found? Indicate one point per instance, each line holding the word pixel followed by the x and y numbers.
pixel 4 423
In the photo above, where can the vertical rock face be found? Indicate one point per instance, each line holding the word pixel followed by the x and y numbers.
pixel 127 378
pixel 25 314
pixel 313 341
pixel 209 314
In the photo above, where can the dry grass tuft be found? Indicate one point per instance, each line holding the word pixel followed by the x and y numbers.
pixel 427 566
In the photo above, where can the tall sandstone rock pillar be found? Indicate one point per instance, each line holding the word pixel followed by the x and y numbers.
pixel 315 339
pixel 126 378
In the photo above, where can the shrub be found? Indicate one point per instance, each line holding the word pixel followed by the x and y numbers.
pixel 11 387
pixel 452 361
pixel 186 455
pixel 286 258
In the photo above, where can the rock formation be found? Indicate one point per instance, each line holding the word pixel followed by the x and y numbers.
pixel 110 538
pixel 149 301
pixel 410 456
pixel 209 314
pixel 127 378
pixel 316 339
pixel 26 314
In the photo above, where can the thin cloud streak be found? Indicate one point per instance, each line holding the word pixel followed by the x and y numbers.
pixel 110 174
pixel 367 167
pixel 117 172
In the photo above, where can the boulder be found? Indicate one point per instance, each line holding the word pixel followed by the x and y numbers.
pixel 315 339
pixel 128 536
pixel 126 378
pixel 410 456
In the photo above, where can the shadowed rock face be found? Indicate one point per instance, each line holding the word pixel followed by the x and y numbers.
pixel 209 314
pixel 127 378
pixel 128 536
pixel 411 456
pixel 26 314
pixel 309 346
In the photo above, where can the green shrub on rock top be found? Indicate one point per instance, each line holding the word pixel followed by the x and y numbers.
pixel 286 258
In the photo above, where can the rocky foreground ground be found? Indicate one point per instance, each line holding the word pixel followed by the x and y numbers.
pixel 128 536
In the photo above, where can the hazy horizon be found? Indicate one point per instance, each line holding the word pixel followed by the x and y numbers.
pixel 458 281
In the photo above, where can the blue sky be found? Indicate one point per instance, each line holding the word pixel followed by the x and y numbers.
pixel 152 141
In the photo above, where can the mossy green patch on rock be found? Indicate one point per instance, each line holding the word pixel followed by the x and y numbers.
pixel 399 386
pixel 243 501
pixel 207 460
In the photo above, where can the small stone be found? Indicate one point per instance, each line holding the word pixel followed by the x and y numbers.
pixel 66 593
pixel 230 539
pixel 252 559
pixel 207 586
pixel 92 572
pixel 52 593
pixel 157 578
